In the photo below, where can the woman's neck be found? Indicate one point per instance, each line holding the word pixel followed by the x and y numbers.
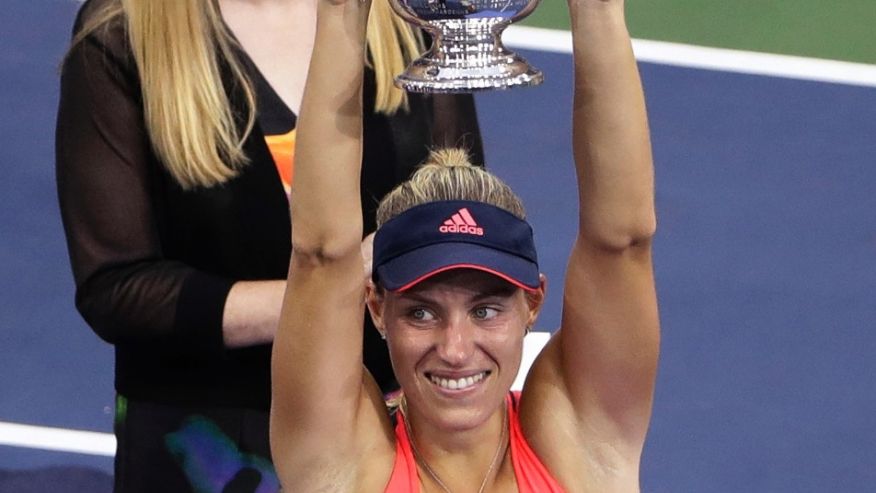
pixel 278 37
pixel 459 459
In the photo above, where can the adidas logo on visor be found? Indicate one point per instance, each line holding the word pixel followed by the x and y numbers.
pixel 462 222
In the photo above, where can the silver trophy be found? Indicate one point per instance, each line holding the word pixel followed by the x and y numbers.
pixel 467 53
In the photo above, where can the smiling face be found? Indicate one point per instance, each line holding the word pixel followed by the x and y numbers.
pixel 456 342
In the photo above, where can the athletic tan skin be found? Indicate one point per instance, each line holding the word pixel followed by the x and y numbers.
pixel 587 400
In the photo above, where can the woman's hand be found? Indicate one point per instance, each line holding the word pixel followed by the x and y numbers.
pixel 354 14
pixel 594 7
pixel 345 2
pixel 595 3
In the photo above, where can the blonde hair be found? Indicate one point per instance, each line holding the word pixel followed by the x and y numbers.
pixel 392 45
pixel 177 46
pixel 448 174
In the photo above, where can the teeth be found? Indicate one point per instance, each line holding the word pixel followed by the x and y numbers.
pixel 457 384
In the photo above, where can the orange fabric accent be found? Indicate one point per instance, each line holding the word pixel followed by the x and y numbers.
pixel 282 149
pixel 405 478
pixel 532 476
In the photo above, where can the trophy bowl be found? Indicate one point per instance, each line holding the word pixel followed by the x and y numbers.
pixel 467 53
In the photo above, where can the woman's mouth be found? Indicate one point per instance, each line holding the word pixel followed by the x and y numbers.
pixel 460 383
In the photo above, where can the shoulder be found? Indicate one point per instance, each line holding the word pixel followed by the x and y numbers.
pixel 580 455
pixel 103 19
pixel 99 52
pixel 100 30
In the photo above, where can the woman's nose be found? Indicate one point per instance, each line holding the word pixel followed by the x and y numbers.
pixel 456 344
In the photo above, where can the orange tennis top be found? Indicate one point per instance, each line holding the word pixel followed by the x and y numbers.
pixel 532 476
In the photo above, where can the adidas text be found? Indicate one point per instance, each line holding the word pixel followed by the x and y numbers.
pixel 454 228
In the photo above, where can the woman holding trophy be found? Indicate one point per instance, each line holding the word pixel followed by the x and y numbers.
pixel 455 288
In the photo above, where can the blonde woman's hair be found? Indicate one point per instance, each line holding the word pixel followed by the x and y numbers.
pixel 448 174
pixel 177 46
pixel 392 45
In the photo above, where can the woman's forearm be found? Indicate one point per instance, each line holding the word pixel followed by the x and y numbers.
pixel 326 209
pixel 611 141
pixel 252 312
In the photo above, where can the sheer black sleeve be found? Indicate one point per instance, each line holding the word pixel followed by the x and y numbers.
pixel 126 289
pixel 456 124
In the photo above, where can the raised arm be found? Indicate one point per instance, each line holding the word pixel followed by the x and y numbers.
pixel 318 376
pixel 605 354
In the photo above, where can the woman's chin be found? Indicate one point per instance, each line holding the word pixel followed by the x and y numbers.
pixel 459 407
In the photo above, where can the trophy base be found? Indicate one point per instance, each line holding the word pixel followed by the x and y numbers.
pixel 467 55
pixel 430 76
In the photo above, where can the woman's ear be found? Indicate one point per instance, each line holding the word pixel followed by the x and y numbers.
pixel 535 300
pixel 374 296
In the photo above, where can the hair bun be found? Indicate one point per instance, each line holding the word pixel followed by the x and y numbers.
pixel 449 174
pixel 448 157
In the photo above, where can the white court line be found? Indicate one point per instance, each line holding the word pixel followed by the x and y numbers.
pixel 104 444
pixel 532 345
pixel 57 439
pixel 721 59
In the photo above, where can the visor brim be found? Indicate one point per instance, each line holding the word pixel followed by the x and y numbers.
pixel 411 268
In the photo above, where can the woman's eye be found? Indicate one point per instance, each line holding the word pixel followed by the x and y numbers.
pixel 421 314
pixel 485 312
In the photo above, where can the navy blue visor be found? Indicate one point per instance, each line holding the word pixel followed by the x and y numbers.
pixel 438 236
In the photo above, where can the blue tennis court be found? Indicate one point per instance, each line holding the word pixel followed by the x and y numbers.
pixel 765 261
pixel 766 269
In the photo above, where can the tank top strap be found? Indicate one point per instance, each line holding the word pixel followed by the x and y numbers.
pixel 532 476
pixel 404 478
